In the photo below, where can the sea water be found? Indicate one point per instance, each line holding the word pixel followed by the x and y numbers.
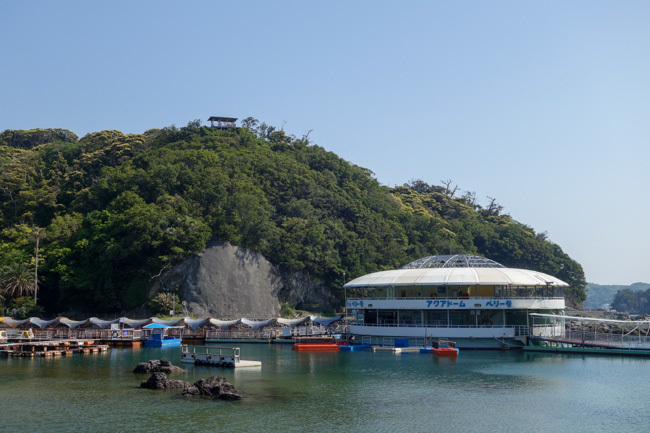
pixel 480 391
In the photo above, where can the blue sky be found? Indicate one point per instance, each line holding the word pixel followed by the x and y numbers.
pixel 543 106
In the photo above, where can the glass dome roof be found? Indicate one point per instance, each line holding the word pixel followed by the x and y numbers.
pixel 452 261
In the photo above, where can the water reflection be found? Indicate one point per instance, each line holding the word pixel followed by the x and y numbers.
pixel 321 392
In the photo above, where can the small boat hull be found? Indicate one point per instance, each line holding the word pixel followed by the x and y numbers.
pixel 444 348
pixel 316 347
pixel 445 351
pixel 166 342
pixel 354 347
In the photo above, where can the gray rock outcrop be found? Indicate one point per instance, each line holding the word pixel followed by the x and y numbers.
pixel 157 366
pixel 159 381
pixel 228 282
pixel 214 386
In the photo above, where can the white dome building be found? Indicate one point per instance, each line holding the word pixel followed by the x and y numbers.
pixel 472 300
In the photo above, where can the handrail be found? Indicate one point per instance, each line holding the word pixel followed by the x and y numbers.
pixel 478 298
pixel 402 325
pixel 519 329
pixel 615 340
pixel 211 350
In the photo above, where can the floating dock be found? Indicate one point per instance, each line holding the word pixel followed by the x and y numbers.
pixel 124 343
pixel 539 344
pixel 550 333
pixel 241 340
pixel 354 347
pixel 215 356
pixel 396 349
pixel 32 349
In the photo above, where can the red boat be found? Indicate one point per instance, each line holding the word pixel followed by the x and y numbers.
pixel 444 348
pixel 316 344
pixel 315 347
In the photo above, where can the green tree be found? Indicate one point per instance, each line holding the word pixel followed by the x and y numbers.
pixel 16 280
pixel 28 139
pixel 24 307
pixel 38 233
pixel 164 302
pixel 632 301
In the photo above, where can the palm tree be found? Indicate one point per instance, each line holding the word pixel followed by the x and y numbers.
pixel 38 233
pixel 16 280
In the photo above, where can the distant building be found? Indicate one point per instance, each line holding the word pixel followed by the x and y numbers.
pixel 222 122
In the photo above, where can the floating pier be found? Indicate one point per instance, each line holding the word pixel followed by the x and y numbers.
pixel 32 349
pixel 124 343
pixel 354 347
pixel 241 340
pixel 395 349
pixel 215 356
pixel 397 345
pixel 550 334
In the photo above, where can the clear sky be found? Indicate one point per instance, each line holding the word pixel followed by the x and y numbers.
pixel 544 106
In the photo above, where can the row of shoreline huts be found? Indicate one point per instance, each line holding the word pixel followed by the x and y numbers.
pixel 124 328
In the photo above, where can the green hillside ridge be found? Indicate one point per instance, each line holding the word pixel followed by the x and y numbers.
pixel 111 212
pixel 601 296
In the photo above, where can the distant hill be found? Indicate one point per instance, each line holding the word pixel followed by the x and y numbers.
pixel 601 296
pixel 113 212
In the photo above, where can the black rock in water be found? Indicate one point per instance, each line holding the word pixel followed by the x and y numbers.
pixel 157 365
pixel 214 386
pixel 159 381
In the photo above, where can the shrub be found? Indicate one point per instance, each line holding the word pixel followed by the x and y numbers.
pixel 22 308
pixel 287 311
pixel 164 302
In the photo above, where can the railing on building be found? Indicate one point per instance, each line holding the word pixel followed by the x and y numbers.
pixel 592 337
pixel 127 334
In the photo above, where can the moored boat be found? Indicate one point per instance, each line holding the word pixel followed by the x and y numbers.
pixel 316 344
pixel 444 348
pixel 314 347
pixel 159 337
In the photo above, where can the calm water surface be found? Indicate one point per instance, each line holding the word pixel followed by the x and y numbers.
pixel 323 392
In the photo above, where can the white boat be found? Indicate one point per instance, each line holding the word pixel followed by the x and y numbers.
pixel 474 301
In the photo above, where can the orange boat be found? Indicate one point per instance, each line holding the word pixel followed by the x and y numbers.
pixel 316 347
pixel 444 348
pixel 316 344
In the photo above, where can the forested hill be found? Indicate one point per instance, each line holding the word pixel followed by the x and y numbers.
pixel 110 212
pixel 603 296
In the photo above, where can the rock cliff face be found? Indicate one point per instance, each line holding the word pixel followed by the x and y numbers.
pixel 228 282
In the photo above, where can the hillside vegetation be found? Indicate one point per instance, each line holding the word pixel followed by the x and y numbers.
pixel 601 296
pixel 633 300
pixel 109 213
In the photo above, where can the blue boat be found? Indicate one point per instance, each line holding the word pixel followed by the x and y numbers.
pixel 159 337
